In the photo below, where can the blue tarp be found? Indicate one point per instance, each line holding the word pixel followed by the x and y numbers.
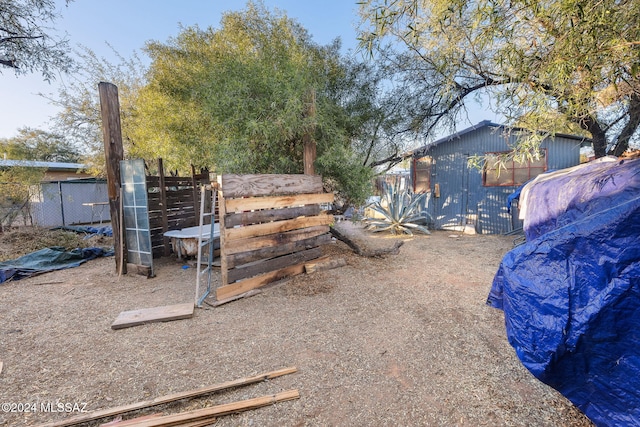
pixel 49 259
pixel 89 230
pixel 571 293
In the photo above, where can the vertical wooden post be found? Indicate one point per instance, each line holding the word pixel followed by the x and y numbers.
pixel 114 153
pixel 222 213
pixel 196 196
pixel 163 207
pixel 308 140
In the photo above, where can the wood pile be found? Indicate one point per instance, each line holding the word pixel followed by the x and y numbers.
pixel 193 418
pixel 270 227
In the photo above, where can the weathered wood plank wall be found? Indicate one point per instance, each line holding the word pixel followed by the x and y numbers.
pixel 173 204
pixel 271 225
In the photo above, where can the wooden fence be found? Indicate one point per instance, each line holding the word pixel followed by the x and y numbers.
pixel 271 225
pixel 173 203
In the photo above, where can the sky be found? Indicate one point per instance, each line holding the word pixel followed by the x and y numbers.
pixel 128 24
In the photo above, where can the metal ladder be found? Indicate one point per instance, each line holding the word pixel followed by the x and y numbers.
pixel 205 243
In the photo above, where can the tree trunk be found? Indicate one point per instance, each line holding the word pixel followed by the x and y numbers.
pixel 622 142
pixel 598 136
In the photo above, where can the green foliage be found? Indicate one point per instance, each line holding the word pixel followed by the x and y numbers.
pixel 35 144
pixel 240 98
pixel 17 183
pixel 80 119
pixel 401 211
pixel 243 98
pixel 560 66
pixel 345 175
pixel 16 188
pixel 27 43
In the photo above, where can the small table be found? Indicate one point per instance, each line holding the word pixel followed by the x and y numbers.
pixel 93 206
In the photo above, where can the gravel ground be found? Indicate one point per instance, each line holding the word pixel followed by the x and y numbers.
pixel 405 340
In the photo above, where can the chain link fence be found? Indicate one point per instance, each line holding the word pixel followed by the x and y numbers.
pixel 59 204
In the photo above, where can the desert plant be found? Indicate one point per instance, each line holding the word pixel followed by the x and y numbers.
pixel 401 211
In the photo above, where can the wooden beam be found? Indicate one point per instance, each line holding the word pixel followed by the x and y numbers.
pixel 309 151
pixel 119 422
pixel 277 250
pixel 273 264
pixel 163 208
pixel 114 153
pixel 254 243
pixel 324 263
pixel 166 313
pixel 218 410
pixel 227 291
pixel 268 215
pixel 269 185
pixel 95 415
pixel 276 227
pixel 255 203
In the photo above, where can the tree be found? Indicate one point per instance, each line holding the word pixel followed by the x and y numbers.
pixel 27 43
pixel 17 182
pixel 79 118
pixel 35 144
pixel 243 98
pixel 558 65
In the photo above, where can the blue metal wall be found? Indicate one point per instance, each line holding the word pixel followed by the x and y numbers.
pixel 463 199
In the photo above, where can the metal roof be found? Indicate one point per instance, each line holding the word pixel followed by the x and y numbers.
pixel 44 165
pixel 487 123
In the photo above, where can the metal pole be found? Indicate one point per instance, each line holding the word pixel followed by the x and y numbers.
pixel 61 202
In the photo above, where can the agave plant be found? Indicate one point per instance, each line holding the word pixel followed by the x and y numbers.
pixel 401 211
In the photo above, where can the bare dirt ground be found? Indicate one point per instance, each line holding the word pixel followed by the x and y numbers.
pixel 405 340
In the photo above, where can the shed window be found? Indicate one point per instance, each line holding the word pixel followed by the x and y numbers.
pixel 514 174
pixel 422 174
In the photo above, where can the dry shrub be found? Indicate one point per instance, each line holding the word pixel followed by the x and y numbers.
pixel 21 241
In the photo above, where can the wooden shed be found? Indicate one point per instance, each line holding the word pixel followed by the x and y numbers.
pixel 465 198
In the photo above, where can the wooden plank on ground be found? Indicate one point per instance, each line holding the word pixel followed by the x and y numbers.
pixel 324 263
pixel 127 423
pixel 273 202
pixel 218 410
pixel 96 415
pixel 269 184
pixel 276 227
pixel 255 243
pixel 227 291
pixel 155 314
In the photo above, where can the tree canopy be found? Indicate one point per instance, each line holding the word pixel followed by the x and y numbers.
pixel 79 119
pixel 243 98
pixel 35 144
pixel 556 65
pixel 28 43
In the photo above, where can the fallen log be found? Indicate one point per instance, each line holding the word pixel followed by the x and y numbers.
pixel 358 249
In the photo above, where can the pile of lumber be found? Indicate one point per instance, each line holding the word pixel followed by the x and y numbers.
pixel 193 418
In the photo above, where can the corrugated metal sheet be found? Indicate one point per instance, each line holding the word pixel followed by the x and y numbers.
pixel 463 201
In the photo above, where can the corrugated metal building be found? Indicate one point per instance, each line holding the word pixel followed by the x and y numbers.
pixel 466 198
